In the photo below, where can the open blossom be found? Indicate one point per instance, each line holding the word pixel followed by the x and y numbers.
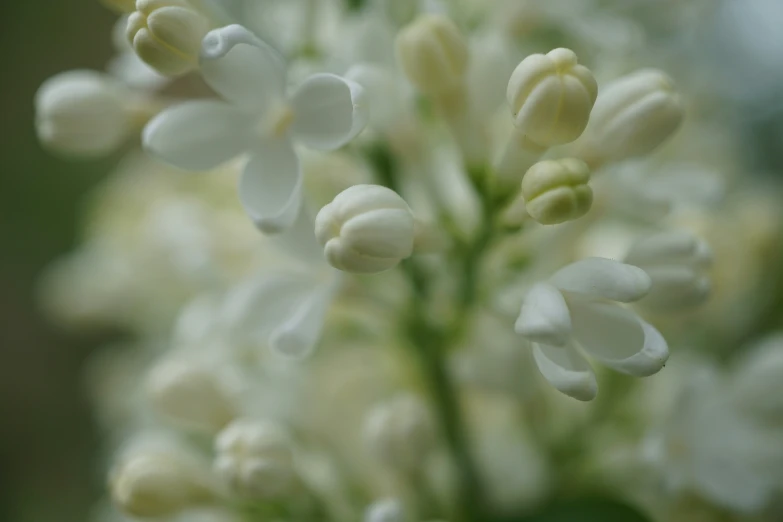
pixel 258 117
pixel 576 311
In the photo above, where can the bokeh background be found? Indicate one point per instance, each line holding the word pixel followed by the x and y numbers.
pixel 49 470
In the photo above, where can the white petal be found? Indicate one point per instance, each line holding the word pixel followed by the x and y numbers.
pixel 618 338
pixel 271 186
pixel 544 317
pixel 671 247
pixel 254 309
pixel 299 241
pixel 242 69
pixel 675 288
pixel 198 135
pixel 329 111
pixel 566 370
pixel 299 334
pixel 606 278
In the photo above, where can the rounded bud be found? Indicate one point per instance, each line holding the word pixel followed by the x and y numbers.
pixel 255 459
pixel 167 34
pixel 366 229
pixel 634 115
pixel 551 97
pixel 82 113
pixel 400 433
pixel 190 395
pixel 432 53
pixel 556 191
pixel 157 484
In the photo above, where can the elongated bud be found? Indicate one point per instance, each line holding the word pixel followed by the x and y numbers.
pixel 400 433
pixel 255 459
pixel 82 113
pixel 551 97
pixel 633 116
pixel 167 34
pixel 366 229
pixel 676 262
pixel 158 484
pixel 432 53
pixel 191 396
pixel 556 191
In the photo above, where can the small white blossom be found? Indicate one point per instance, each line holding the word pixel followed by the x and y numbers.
pixel 366 229
pixel 400 433
pixel 255 459
pixel 551 96
pixel 82 113
pixel 556 191
pixel 676 262
pixel 325 112
pixel 167 34
pixel 573 310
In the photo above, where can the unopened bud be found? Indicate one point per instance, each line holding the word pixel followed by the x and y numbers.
pixel 158 484
pixel 676 262
pixel 255 459
pixel 190 395
pixel 551 97
pixel 167 35
pixel 556 191
pixel 82 113
pixel 432 53
pixel 400 433
pixel 633 116
pixel 366 229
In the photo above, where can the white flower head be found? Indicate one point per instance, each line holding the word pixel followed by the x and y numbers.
pixel 676 262
pixel 255 459
pixel 574 310
pixel 257 116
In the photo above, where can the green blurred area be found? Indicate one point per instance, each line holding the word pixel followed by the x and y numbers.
pixel 47 465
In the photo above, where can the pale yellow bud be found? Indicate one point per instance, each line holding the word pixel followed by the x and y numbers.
pixel 634 115
pixel 551 97
pixel 432 53
pixel 556 191
pixel 167 34
pixel 157 484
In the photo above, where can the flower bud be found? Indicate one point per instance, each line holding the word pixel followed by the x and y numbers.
pixel 157 484
pixel 634 115
pixel 432 53
pixel 366 229
pixel 677 262
pixel 82 113
pixel 190 396
pixel 255 459
pixel 556 191
pixel 167 34
pixel 551 97
pixel 400 433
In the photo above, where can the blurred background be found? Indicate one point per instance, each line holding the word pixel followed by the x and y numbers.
pixel 48 465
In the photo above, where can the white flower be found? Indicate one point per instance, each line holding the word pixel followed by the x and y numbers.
pixel 255 459
pixel 574 310
pixel 257 117
pixel 633 116
pixel 366 229
pixel 167 34
pixel 551 97
pixel 400 433
pixel 556 191
pixel 676 262
pixel 191 395
pixel 432 53
pixel 83 113
pixel 158 484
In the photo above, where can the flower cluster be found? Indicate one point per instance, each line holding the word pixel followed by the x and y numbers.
pixel 407 239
